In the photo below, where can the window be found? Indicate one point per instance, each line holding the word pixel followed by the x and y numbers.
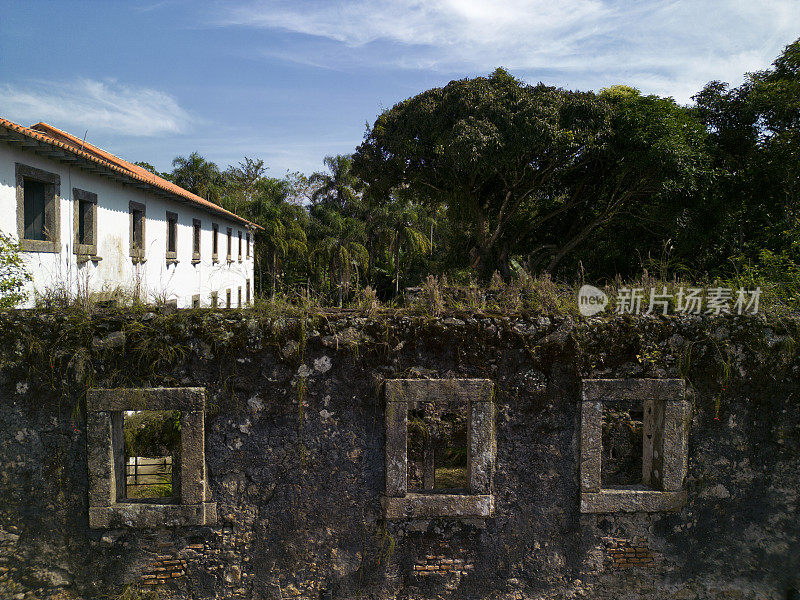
pixel 239 297
pixel 85 223
pixel 196 229
pixel 240 246
pixel 196 301
pixel 38 213
pixel 247 245
pixel 247 291
pixel 137 231
pixel 172 237
pixel 453 418
pixel 437 446
pixel 214 299
pixel 152 445
pixel 230 243
pixel 153 480
pixel 633 445
pixel 214 242
pixel 228 298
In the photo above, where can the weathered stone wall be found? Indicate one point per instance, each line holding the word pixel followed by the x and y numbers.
pixel 295 456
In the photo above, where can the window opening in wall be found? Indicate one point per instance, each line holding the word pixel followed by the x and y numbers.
pixel 196 228
pixel 437 446
pixel 196 301
pixel 247 291
pixel 152 441
pixel 214 299
pixel 622 431
pixel 230 243
pixel 239 297
pixel 172 235
pixel 214 241
pixel 247 245
pixel 240 246
pixel 138 228
pixel 34 210
pixel 228 299
pixel 85 209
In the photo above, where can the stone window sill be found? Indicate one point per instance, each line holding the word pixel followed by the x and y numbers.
pixel 145 515
pixel 172 261
pixel 429 506
pixel 39 246
pixel 610 501
pixel 84 258
pixel 195 261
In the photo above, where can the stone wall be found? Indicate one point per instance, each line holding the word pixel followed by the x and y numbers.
pixel 294 446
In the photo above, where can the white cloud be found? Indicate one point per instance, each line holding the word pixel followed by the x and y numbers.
pixel 99 106
pixel 666 47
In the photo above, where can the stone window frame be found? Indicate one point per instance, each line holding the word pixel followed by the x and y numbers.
pixel 195 300
pixel 239 232
pixel 52 209
pixel 247 245
pixel 664 451
pixel 137 252
pixel 84 251
pixel 214 299
pixel 230 244
pixel 106 459
pixel 228 298
pixel 478 395
pixel 197 233
pixel 247 292
pixel 172 223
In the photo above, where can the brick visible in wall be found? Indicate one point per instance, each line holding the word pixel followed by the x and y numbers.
pixel 443 561
pixel 622 553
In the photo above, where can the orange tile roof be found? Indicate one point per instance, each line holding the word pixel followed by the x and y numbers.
pixel 65 141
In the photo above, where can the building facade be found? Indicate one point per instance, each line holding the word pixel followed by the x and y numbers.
pixel 92 224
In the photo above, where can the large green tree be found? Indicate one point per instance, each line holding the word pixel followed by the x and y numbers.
pixel 489 148
pixel 754 137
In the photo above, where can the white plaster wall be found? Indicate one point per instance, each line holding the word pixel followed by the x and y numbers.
pixel 154 278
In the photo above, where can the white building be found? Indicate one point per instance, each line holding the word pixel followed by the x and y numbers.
pixel 92 223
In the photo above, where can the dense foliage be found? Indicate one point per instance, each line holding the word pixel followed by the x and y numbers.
pixel 490 174
pixel 13 274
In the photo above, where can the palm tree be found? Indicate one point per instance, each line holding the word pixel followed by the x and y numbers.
pixel 339 249
pixel 284 226
pixel 404 228
pixel 199 176
pixel 338 188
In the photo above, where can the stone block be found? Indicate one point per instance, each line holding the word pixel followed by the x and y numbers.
pixel 670 390
pixel 396 451
pixel 182 399
pixel 427 506
pixel 482 447
pixel 591 445
pixel 193 471
pixel 100 459
pixel 610 501
pixel 439 390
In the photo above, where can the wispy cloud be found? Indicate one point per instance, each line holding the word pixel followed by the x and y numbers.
pixel 665 47
pixel 104 106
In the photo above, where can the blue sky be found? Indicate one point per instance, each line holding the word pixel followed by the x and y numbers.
pixel 291 81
